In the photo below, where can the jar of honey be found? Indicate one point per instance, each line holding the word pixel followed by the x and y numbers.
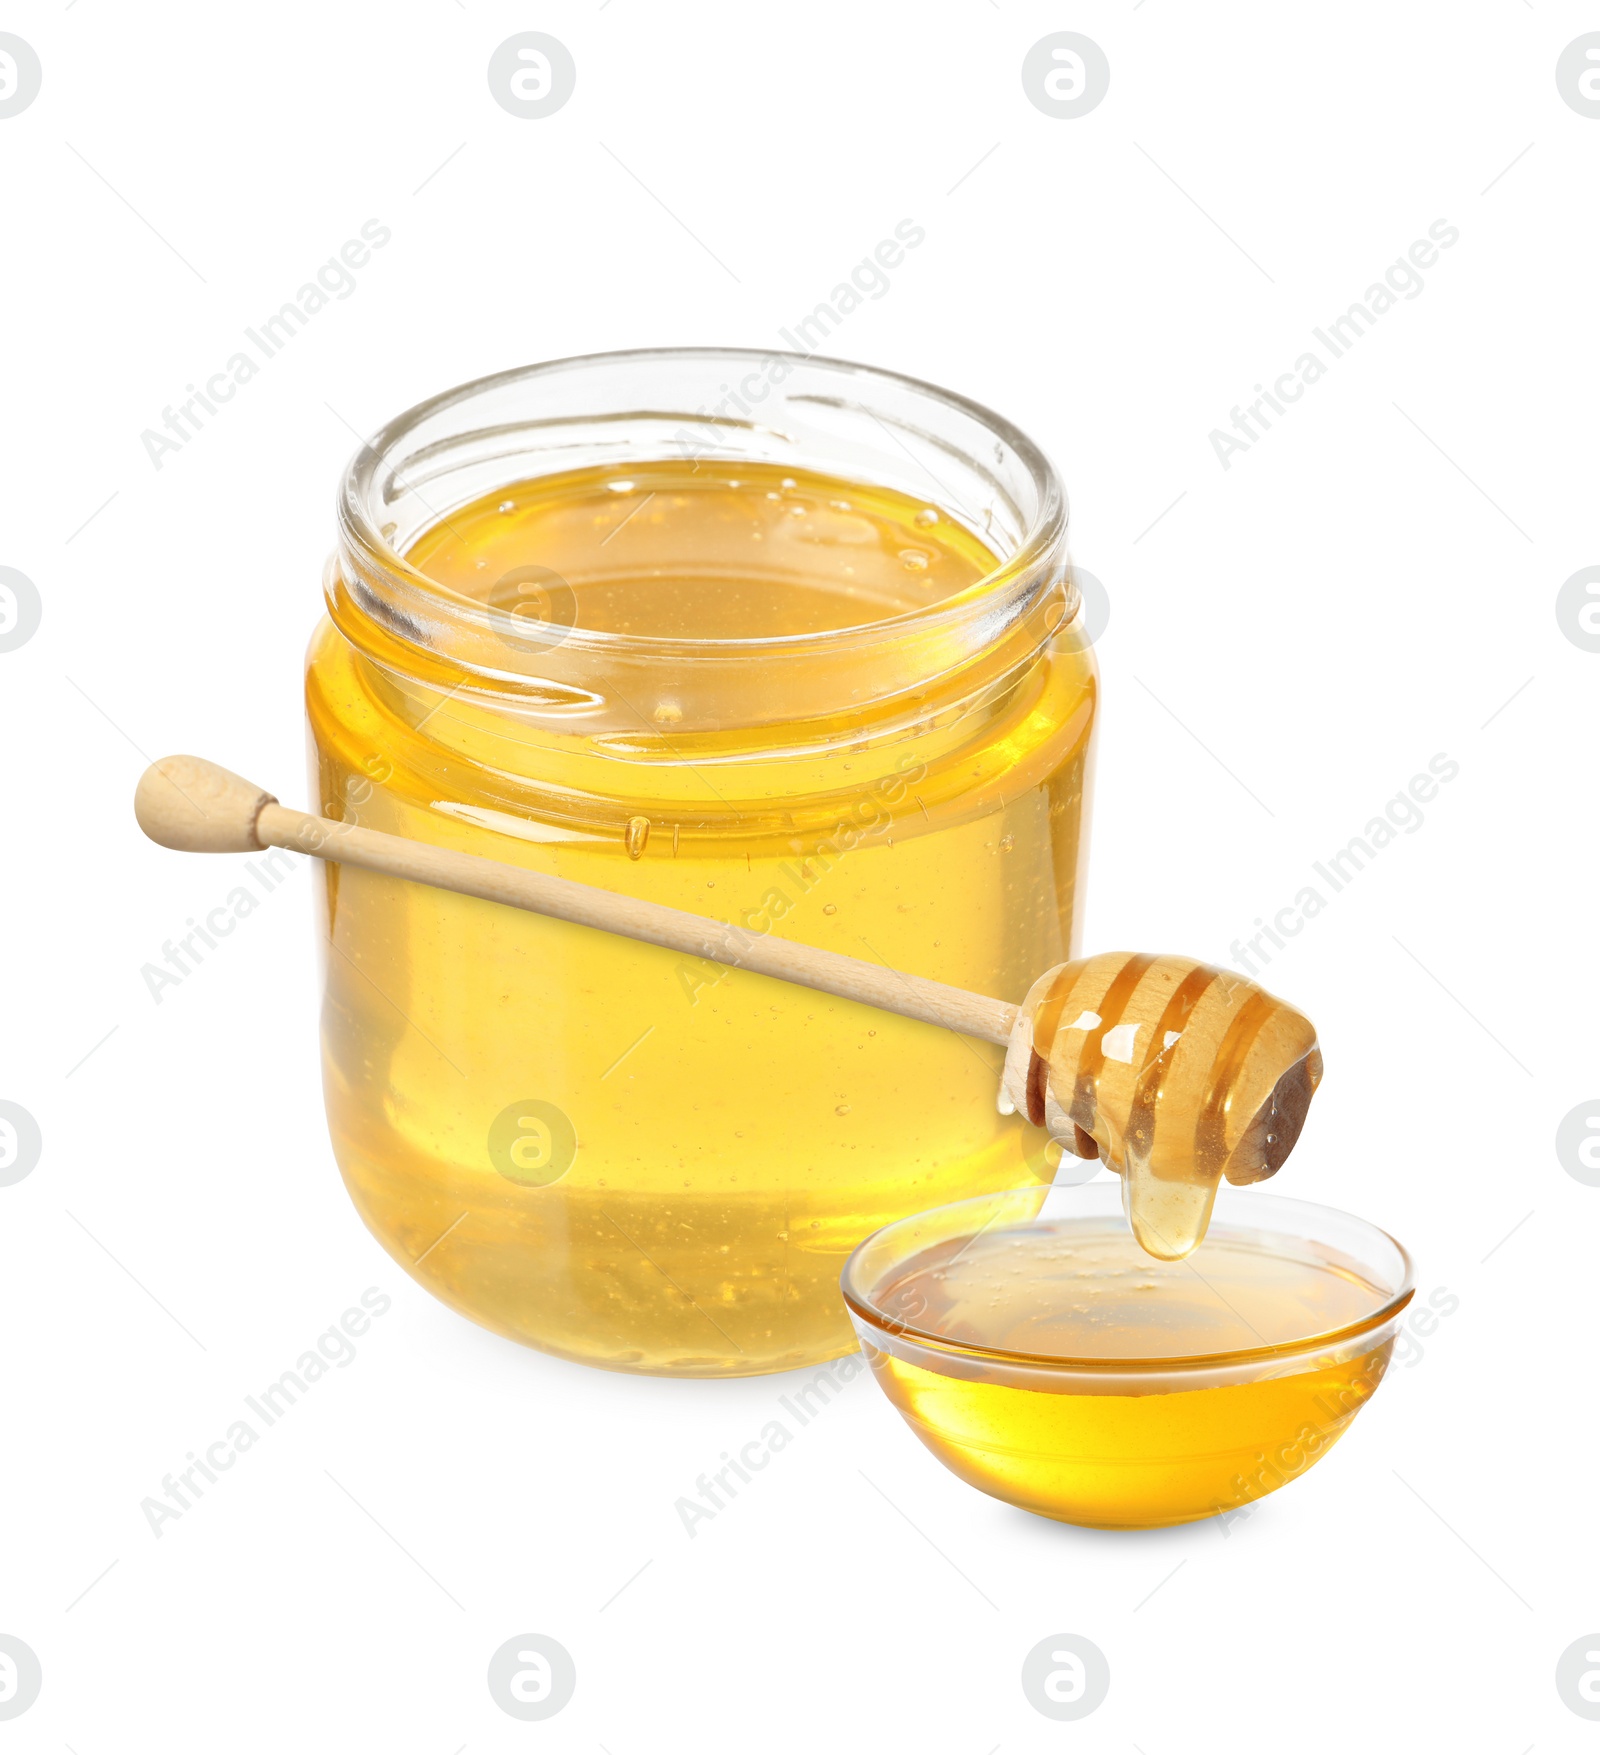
pixel 780 640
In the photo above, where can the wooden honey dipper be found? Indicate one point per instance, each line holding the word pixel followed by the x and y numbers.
pixel 1101 1050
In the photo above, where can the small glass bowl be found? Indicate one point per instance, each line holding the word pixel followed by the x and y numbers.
pixel 1131 1443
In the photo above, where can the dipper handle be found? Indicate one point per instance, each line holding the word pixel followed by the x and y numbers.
pixel 194 806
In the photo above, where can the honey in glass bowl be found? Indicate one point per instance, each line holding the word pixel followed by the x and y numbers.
pixel 1045 1358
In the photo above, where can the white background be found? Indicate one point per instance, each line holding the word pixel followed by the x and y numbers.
pixel 1374 582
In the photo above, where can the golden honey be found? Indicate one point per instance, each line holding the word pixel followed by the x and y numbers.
pixel 1172 1072
pixel 1054 1364
pixel 787 699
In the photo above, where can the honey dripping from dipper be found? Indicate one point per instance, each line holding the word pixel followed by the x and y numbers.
pixel 1172 1073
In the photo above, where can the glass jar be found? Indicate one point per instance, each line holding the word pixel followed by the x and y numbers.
pixel 601 1148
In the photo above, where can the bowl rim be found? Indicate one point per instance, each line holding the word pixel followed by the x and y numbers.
pixel 864 1311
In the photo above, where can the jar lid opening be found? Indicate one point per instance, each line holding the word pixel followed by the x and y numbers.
pixel 726 407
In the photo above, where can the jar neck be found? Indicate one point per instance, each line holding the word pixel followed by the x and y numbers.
pixel 623 410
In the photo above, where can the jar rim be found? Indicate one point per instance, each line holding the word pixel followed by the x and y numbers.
pixel 1006 588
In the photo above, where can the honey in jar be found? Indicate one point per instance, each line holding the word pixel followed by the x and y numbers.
pixel 807 662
